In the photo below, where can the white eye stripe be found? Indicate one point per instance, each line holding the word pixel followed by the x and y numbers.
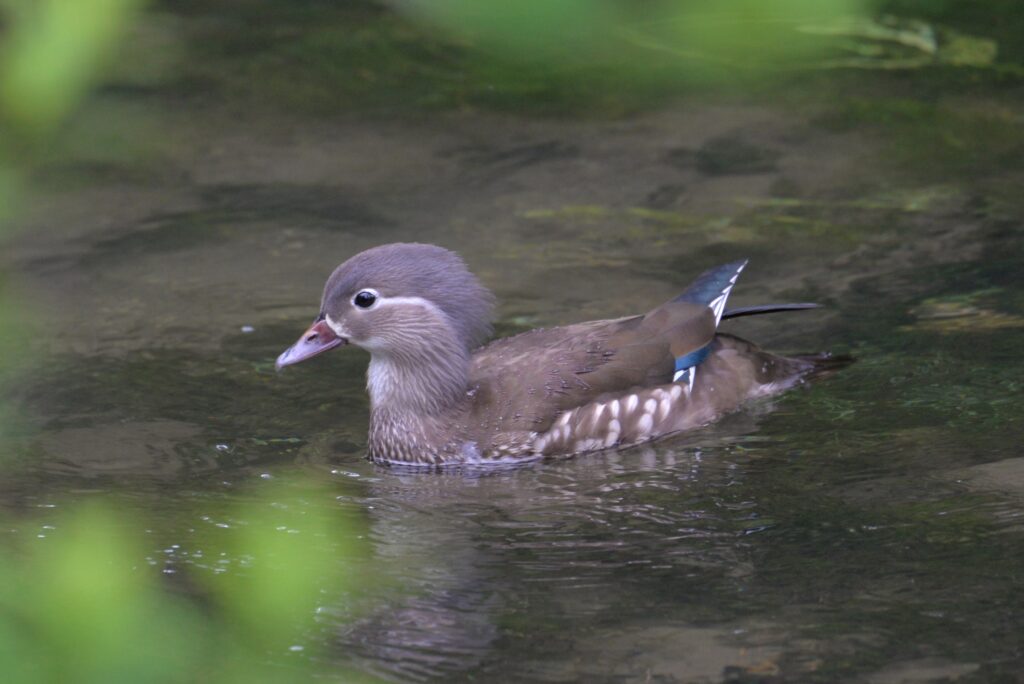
pixel 414 301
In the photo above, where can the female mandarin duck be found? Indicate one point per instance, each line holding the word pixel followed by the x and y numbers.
pixel 437 398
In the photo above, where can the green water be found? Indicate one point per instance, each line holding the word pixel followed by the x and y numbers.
pixel 869 527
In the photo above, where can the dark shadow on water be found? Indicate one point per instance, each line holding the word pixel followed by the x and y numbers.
pixel 230 212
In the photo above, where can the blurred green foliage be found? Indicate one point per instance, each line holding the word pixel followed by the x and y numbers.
pixel 1001 20
pixel 82 604
pixel 564 57
pixel 86 602
pixel 621 53
pixel 53 51
pixel 693 35
pixel 576 57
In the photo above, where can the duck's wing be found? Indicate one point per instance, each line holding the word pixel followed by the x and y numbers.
pixel 525 382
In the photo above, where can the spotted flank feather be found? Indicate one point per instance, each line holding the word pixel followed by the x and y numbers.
pixel 712 288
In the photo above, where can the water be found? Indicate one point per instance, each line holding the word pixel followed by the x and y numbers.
pixel 869 527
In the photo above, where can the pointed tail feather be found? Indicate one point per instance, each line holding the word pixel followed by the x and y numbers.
pixel 767 309
pixel 712 287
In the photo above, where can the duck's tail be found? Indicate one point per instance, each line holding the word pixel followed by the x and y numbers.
pixel 767 309
pixel 824 364
pixel 817 365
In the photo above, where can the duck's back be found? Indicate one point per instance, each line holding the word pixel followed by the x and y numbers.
pixel 527 381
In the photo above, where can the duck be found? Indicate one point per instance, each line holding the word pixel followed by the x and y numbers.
pixel 440 396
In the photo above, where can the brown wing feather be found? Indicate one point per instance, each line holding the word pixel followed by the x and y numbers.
pixel 552 370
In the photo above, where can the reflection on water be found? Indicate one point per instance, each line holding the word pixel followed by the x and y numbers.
pixel 869 525
pixel 540 549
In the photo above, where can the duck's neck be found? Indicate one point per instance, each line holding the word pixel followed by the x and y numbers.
pixel 415 407
pixel 427 384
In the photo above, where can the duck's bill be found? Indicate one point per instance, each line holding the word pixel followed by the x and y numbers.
pixel 318 339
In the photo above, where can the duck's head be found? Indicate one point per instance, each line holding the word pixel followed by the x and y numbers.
pixel 406 301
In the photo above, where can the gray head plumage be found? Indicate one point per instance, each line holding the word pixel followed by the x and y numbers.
pixel 418 270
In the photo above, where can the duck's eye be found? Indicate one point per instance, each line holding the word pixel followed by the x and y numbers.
pixel 364 299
